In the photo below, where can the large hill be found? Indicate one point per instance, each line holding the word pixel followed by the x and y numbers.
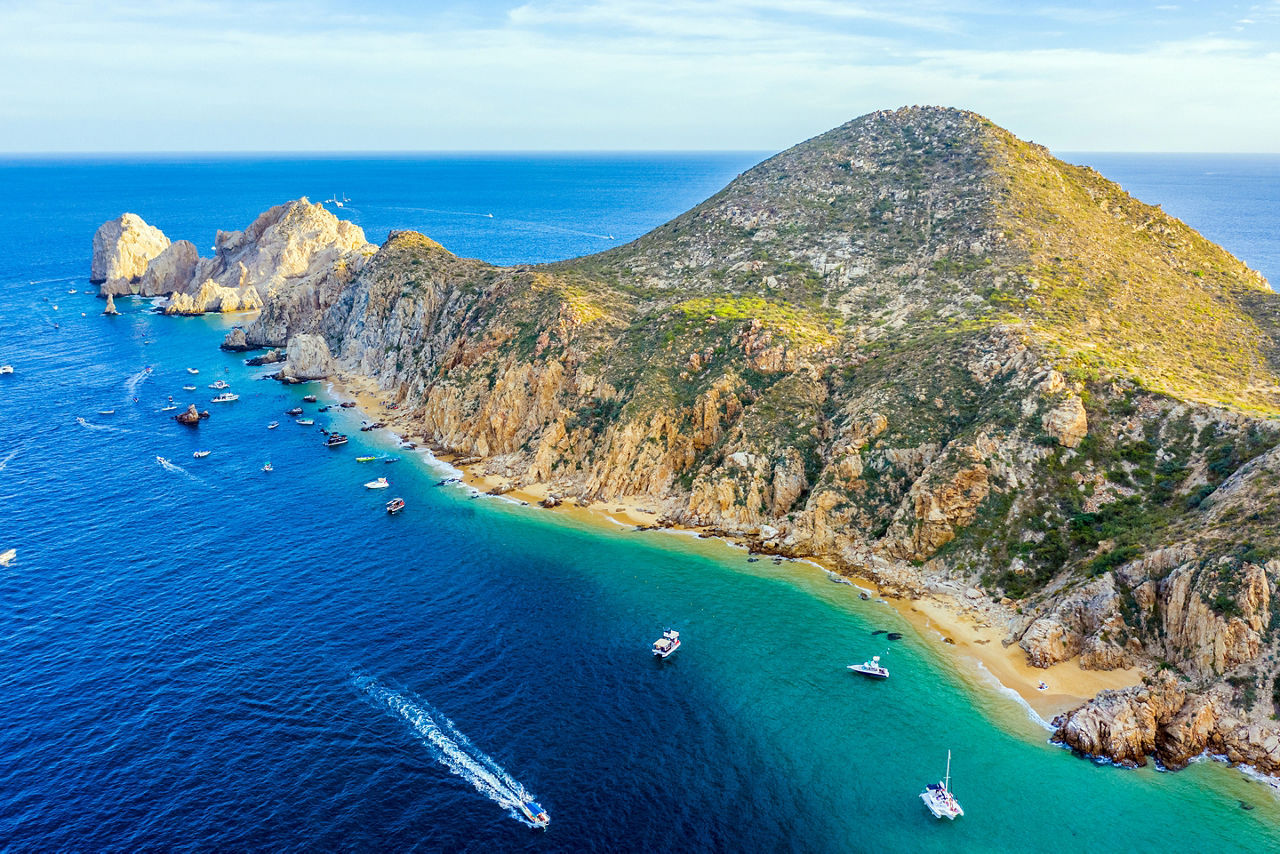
pixel 920 349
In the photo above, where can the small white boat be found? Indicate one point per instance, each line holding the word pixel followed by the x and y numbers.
pixel 220 384
pixel 225 397
pixel 395 505
pixel 872 668
pixel 106 412
pixel 7 556
pixel 667 644
pixel 6 369
pixel 200 455
pixel 168 408
pixel 267 467
pixel 380 483
pixel 188 388
pixel 938 798
pixel 536 815
pixel 305 422
pixel 273 425
pixel 192 371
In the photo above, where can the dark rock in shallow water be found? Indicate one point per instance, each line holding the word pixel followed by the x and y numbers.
pixel 235 341
pixel 877 632
pixel 894 635
pixel 268 358
pixel 192 416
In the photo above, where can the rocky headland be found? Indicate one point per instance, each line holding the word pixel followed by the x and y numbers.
pixel 298 255
pixel 915 348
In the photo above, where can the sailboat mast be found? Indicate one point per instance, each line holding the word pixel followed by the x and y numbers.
pixel 947 782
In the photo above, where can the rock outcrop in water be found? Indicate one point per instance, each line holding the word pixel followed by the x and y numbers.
pixel 915 347
pixel 191 417
pixel 122 249
pixel 298 253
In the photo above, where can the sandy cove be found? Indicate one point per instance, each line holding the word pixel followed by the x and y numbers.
pixel 964 631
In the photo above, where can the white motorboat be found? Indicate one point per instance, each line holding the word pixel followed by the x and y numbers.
pixel 225 397
pixel 200 455
pixel 395 505
pixel 667 644
pixel 219 385
pixel 273 425
pixel 106 412
pixel 188 388
pixel 168 408
pixel 872 668
pixel 938 798
pixel 6 369
pixel 380 483
pixel 305 422
pixel 192 371
pixel 266 467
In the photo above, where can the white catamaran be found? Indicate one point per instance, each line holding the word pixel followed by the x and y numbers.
pixel 938 798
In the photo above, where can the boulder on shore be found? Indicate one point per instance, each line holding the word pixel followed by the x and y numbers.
pixel 122 249
pixel 309 359
pixel 192 416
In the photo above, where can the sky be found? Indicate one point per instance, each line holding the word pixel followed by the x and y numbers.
pixel 750 75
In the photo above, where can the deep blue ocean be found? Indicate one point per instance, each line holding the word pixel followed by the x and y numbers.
pixel 199 655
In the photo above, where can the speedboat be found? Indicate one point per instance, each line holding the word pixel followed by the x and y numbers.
pixel 938 798
pixel 6 369
pixel 395 505
pixel 872 668
pixel 536 815
pixel 305 422
pixel 225 397
pixel 334 440
pixel 365 459
pixel 168 408
pixel 308 398
pixel 220 384
pixel 380 483
pixel 200 455
pixel 667 644
pixel 391 459
pixel 188 388
pixel 162 461
pixel 266 467
pixel 297 410
pixel 192 371
pixel 106 412
pixel 273 425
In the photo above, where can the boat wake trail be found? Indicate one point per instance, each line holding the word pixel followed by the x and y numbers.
pixel 9 456
pixel 105 427
pixel 168 465
pixel 449 747
pixel 131 384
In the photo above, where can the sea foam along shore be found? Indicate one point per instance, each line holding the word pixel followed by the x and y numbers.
pixel 961 629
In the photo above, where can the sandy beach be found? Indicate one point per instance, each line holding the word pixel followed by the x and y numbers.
pixel 962 631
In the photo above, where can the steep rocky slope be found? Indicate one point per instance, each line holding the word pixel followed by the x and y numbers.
pixel 917 348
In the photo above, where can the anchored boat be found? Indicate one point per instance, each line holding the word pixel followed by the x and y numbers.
pixel 395 505
pixel 938 798
pixel 334 440
pixel 873 668
pixel 225 397
pixel 380 483
pixel 667 644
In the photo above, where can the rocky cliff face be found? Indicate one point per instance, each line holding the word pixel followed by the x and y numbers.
pixel 298 253
pixel 122 249
pixel 856 351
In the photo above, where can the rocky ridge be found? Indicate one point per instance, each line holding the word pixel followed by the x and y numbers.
pixel 916 348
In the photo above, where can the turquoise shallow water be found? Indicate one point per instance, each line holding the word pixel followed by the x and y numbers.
pixel 205 656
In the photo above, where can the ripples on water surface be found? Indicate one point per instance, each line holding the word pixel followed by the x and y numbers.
pixel 206 656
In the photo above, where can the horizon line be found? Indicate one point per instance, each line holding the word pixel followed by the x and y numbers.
pixel 523 152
